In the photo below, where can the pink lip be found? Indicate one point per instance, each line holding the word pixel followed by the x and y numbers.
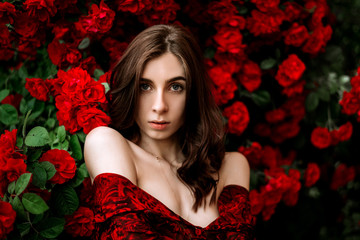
pixel 158 125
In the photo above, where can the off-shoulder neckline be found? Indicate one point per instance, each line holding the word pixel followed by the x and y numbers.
pixel 229 186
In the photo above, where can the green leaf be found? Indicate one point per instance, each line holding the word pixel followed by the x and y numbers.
pixel 3 94
pixel 50 123
pixel 49 168
pixel 22 183
pixel 39 176
pixel 75 147
pixel 209 52
pixel 37 137
pixel 323 94
pixel 23 106
pixel 23 228
pixel 37 110
pixel 81 135
pixel 19 208
pixel 35 155
pixel 34 203
pixel 8 114
pixel 106 86
pixel 84 43
pixel 312 101
pixel 81 174
pixel 66 200
pixel 11 187
pixel 267 63
pixel 261 97
pixel 98 73
pixel 51 227
pixel 61 133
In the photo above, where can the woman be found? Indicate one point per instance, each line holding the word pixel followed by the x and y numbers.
pixel 161 171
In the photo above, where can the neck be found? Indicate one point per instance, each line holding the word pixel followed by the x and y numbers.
pixel 168 150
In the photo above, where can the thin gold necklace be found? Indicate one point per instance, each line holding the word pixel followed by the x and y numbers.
pixel 159 160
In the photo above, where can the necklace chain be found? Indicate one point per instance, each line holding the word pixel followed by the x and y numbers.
pixel 159 160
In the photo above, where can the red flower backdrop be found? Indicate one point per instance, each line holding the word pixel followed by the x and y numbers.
pixel 275 78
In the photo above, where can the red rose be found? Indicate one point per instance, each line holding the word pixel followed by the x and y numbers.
pixel 12 163
pixel 5 39
pixel 91 118
pixel 268 211
pixel 342 176
pixel 161 12
pixel 7 219
pixel 80 223
pixel 234 21
pixel 320 137
pixel 133 6
pixel 13 99
pixel 6 54
pixel 284 130
pixel 317 40
pixel 40 9
pixel 265 23
pixel 296 35
pixel 93 92
pixel 345 131
pixel 37 88
pixel 350 103
pixel 256 202
pixel 221 9
pixel 294 89
pixel 7 13
pixel 295 107
pixel 250 76
pixel 25 25
pixel 224 93
pixel 89 64
pixel 62 54
pixel 99 20
pixel 290 71
pixel 293 11
pixel 68 119
pixel 270 156
pixel 253 154
pixel 238 117
pixel 312 174
pixel 74 80
pixel 266 5
pixel 275 116
pixel 229 40
pixel 64 164
pixel 114 48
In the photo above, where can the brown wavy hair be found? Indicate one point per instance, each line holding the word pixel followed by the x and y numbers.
pixel 202 135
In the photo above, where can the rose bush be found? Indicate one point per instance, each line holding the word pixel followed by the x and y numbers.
pixel 284 75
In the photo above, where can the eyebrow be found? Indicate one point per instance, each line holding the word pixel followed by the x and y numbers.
pixel 169 80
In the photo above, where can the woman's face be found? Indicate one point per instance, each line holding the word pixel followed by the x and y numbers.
pixel 162 98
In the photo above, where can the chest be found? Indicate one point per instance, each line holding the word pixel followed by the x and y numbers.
pixel 169 190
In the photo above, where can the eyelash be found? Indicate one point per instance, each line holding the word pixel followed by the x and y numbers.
pixel 142 85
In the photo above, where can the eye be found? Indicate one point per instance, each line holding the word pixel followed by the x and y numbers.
pixel 145 87
pixel 176 87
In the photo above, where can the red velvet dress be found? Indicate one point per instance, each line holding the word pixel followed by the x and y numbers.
pixel 125 211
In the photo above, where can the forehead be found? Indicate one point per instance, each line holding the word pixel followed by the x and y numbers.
pixel 164 67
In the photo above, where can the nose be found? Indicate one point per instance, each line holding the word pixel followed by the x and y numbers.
pixel 159 104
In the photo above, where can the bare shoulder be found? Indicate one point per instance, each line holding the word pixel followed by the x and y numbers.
pixel 106 150
pixel 235 170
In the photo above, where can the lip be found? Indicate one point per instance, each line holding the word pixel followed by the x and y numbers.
pixel 159 125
